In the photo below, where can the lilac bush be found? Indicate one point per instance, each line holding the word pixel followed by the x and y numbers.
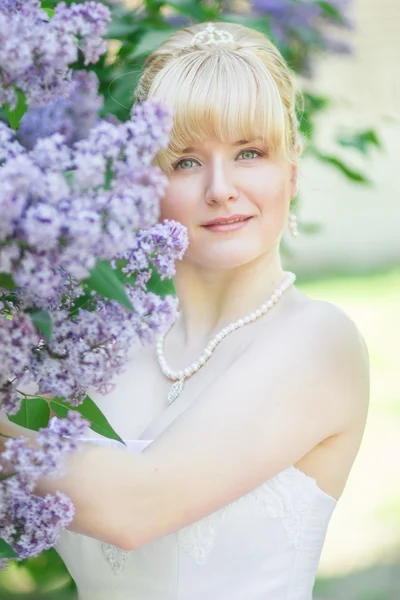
pixel 58 208
pixel 62 209
pixel 36 51
pixel 79 241
pixel 73 116
pixel 303 24
pixel 30 523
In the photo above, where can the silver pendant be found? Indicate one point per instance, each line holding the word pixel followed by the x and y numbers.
pixel 175 390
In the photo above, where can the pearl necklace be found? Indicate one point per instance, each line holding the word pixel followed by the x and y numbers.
pixel 180 376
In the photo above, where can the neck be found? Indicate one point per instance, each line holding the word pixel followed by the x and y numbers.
pixel 211 300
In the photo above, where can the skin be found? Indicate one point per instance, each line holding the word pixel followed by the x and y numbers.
pixel 218 180
pixel 291 388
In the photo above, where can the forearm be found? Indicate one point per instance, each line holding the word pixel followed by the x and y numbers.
pixel 90 480
pixel 108 489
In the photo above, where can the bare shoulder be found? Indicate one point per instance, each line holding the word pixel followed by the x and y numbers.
pixel 328 319
pixel 339 349
pixel 331 327
pixel 320 346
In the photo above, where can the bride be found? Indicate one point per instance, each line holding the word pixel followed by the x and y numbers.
pixel 243 422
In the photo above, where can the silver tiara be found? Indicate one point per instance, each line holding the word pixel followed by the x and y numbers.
pixel 211 35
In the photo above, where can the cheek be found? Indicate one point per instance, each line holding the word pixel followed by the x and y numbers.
pixel 271 193
pixel 173 204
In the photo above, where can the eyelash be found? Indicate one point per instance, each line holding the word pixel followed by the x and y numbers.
pixel 175 166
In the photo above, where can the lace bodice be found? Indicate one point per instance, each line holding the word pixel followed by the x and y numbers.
pixel 265 545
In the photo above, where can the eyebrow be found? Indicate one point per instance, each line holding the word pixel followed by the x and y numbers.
pixel 238 143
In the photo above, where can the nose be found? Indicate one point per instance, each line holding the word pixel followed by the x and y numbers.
pixel 220 185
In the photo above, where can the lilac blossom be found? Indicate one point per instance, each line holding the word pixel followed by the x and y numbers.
pixel 31 523
pixel 153 245
pixel 72 117
pixel 87 21
pixel 73 191
pixel 9 145
pixel 36 51
pixel 91 350
pixel 50 221
pixel 55 227
pixel 305 21
pixel 17 338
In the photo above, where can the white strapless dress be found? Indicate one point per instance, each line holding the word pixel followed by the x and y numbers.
pixel 264 546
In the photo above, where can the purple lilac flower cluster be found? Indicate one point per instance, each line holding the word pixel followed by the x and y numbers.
pixel 73 190
pixel 36 51
pixel 303 20
pixel 89 351
pixel 17 338
pixel 73 117
pixel 62 209
pixel 59 209
pixel 152 246
pixel 31 523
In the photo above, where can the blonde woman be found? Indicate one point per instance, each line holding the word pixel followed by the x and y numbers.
pixel 244 421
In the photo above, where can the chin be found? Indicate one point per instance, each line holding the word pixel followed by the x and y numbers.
pixel 224 263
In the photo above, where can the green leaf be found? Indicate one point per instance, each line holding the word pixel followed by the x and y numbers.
pixel 70 176
pixel 6 551
pixel 14 116
pixel 50 11
pixel 348 171
pixel 120 30
pixel 6 281
pixel 150 40
pixel 315 102
pixel 120 90
pixel 83 301
pixel 196 10
pixel 33 414
pixel 360 141
pixel 330 10
pixel 42 320
pixel 90 411
pixel 105 282
pixel 161 287
pixel 49 3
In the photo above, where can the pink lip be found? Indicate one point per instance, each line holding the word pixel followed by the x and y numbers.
pixel 223 219
pixel 227 226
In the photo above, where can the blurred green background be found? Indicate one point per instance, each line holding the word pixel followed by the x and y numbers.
pixel 348 251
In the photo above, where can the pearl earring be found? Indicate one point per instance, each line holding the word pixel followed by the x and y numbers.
pixel 294 232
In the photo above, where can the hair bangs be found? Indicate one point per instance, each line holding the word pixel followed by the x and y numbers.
pixel 216 95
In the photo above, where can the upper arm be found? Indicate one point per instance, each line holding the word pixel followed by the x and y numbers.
pixel 264 414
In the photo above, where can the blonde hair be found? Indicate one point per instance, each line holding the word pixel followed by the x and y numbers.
pixel 240 90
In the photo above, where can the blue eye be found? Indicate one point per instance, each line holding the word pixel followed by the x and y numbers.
pixel 183 164
pixel 251 152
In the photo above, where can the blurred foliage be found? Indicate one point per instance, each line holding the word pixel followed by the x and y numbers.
pixel 133 33
pixel 44 576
